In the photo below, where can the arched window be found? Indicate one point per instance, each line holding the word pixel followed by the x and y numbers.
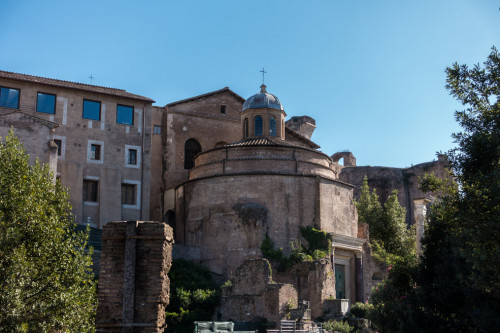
pixel 258 126
pixel 191 148
pixel 272 126
pixel 245 128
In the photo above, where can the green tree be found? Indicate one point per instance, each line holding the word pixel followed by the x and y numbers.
pixel 456 285
pixel 390 237
pixel 194 296
pixel 45 280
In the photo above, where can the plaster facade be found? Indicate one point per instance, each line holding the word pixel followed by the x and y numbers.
pixel 79 166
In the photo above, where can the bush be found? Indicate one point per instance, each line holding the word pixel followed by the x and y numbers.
pixel 361 310
pixel 337 326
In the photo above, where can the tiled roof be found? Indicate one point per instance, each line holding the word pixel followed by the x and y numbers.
pixel 72 85
pixel 208 94
pixel 256 142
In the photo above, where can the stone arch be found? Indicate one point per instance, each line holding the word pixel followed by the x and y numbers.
pixel 349 159
pixel 191 149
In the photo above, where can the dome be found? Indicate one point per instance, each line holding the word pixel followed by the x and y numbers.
pixel 262 100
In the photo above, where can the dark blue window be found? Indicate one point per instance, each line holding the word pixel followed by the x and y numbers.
pixel 258 126
pixel 124 114
pixel 272 126
pixel 9 98
pixel 46 103
pixel 91 110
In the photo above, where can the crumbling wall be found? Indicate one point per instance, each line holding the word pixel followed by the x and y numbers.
pixel 133 283
pixel 314 281
pixel 405 180
pixel 254 297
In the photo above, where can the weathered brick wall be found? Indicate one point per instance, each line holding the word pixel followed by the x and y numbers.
pixel 385 180
pixel 133 283
pixel 254 297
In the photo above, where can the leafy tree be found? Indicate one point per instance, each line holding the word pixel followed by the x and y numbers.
pixel 45 280
pixel 194 296
pixel 389 236
pixel 456 286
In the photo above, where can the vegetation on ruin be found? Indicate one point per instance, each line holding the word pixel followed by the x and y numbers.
pixel 318 247
pixel 390 238
pixel 45 277
pixel 455 287
pixel 193 296
pixel 338 326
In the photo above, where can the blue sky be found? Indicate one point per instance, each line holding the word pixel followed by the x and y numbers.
pixel 370 72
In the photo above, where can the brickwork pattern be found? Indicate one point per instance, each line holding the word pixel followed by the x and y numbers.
pixel 133 283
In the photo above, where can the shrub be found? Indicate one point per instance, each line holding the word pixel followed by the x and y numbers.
pixel 338 326
pixel 361 310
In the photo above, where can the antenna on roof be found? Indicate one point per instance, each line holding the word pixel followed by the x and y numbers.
pixel 263 72
pixel 91 78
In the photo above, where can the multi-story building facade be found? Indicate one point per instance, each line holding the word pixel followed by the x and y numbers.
pixel 97 139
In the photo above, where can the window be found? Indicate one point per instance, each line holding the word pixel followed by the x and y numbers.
pixel 222 109
pixel 191 148
pixel 90 190
pixel 132 156
pixel 59 146
pixel 91 110
pixel 245 128
pixel 131 194
pixel 124 114
pixel 272 127
pixel 157 129
pixel 128 194
pixel 258 126
pixel 46 103
pixel 9 98
pixel 95 152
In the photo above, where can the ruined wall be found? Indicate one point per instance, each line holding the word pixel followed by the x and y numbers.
pixel 314 282
pixel 385 179
pixel 133 288
pixel 254 297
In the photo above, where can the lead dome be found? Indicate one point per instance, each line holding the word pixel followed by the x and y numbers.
pixel 262 100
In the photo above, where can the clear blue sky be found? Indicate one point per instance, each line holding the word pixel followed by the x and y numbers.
pixel 370 72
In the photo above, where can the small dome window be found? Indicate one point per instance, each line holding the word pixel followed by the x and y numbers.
pixel 259 128
pixel 272 126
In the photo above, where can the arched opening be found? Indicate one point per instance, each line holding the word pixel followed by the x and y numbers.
pixel 220 144
pixel 272 126
pixel 169 218
pixel 245 128
pixel 259 126
pixel 191 148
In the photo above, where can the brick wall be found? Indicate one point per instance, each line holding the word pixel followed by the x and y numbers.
pixel 133 283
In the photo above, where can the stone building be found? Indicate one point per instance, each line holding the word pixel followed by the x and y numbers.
pixel 96 139
pixel 224 172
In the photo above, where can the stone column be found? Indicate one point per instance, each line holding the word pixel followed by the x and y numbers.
pixel 359 277
pixel 420 212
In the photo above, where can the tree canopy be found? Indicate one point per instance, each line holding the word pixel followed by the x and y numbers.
pixel 456 285
pixel 45 277
pixel 390 237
